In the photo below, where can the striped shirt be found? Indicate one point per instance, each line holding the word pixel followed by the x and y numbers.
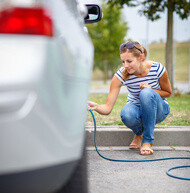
pixel 133 82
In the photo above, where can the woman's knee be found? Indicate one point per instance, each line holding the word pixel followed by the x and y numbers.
pixel 128 117
pixel 146 93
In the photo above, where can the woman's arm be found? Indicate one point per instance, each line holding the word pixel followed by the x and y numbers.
pixel 164 82
pixel 106 108
pixel 165 86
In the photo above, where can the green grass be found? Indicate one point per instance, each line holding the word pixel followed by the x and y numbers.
pixel 182 61
pixel 179 111
pixel 182 50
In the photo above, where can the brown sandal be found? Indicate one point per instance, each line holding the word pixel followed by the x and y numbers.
pixel 146 149
pixel 135 143
pixel 134 146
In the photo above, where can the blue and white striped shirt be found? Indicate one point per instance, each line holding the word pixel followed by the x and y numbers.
pixel 132 84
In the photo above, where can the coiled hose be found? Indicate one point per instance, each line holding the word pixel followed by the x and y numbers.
pixel 148 160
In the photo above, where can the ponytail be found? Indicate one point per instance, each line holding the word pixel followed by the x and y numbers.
pixel 144 52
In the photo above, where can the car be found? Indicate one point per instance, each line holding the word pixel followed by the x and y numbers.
pixel 46 60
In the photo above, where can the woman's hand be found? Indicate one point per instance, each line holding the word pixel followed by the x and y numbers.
pixel 92 105
pixel 144 85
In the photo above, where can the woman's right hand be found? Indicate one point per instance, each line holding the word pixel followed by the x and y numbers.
pixel 92 105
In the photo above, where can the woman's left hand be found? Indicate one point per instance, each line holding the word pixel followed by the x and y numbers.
pixel 144 85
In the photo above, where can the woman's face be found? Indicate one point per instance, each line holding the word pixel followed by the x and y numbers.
pixel 130 63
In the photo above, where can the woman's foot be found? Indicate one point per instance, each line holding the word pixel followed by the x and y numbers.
pixel 136 143
pixel 146 149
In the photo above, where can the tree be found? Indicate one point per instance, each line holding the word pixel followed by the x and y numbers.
pixel 107 35
pixel 152 9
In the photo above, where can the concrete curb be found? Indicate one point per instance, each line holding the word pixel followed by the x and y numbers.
pixel 126 148
pixel 118 136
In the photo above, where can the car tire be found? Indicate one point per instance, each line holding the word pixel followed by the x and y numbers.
pixel 78 181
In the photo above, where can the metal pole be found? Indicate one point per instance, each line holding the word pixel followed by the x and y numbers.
pixel 189 69
pixel 147 36
pixel 174 52
pixel 174 61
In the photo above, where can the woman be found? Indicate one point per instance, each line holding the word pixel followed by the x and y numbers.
pixel 148 86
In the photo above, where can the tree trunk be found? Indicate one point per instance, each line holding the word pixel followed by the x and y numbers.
pixel 169 43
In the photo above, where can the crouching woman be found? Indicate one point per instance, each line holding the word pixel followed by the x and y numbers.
pixel 148 86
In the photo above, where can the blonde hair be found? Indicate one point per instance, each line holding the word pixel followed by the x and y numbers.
pixel 136 53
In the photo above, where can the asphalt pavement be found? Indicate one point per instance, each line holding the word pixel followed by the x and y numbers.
pixel 147 177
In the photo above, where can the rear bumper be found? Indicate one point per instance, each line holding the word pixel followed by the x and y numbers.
pixel 43 180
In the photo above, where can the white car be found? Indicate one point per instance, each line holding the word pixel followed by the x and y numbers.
pixel 46 58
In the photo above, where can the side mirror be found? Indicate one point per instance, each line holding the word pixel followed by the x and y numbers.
pixel 94 13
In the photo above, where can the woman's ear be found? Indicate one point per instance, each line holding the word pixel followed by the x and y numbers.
pixel 141 57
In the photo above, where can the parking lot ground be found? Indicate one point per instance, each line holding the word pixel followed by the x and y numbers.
pixel 147 177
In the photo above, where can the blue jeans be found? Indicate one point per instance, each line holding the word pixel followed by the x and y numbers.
pixel 142 120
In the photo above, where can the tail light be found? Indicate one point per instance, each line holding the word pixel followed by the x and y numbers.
pixel 25 20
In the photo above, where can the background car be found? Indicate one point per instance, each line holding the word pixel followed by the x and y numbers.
pixel 46 58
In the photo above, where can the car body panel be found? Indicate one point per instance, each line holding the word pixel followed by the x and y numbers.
pixel 42 123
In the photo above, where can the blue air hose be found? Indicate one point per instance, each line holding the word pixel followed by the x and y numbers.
pixel 148 160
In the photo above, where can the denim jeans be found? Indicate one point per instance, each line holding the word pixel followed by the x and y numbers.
pixel 142 120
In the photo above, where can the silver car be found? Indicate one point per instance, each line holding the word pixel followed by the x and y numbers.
pixel 46 58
